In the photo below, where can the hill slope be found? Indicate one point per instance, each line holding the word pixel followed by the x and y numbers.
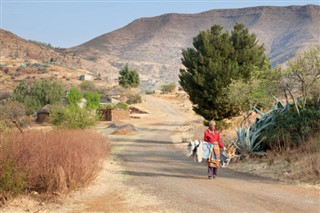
pixel 153 45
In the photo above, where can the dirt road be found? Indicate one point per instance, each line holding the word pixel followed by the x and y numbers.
pixel 148 172
pixel 154 166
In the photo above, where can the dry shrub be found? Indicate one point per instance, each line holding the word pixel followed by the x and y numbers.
pixel 300 164
pixel 56 161
pixel 309 164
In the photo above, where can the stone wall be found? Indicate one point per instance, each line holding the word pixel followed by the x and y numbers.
pixel 115 115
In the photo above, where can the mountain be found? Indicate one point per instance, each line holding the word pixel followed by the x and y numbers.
pixel 16 51
pixel 153 45
pixel 16 47
pixel 24 60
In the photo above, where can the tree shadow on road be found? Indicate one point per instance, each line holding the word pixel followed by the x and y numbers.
pixel 151 174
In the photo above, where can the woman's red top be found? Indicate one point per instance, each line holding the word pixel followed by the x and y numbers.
pixel 211 137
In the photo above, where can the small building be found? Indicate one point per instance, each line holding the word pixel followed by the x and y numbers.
pixel 108 100
pixel 85 77
pixel 114 115
pixel 43 114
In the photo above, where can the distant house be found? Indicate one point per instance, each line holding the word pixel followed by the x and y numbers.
pixel 86 78
pixel 114 115
pixel 108 100
pixel 43 114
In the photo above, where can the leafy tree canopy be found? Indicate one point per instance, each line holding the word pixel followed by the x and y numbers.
pixel 129 78
pixel 39 94
pixel 93 100
pixel 214 63
pixel 74 96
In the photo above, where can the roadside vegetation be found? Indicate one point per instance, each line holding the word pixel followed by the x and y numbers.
pixel 40 93
pixel 49 162
pixel 168 88
pixel 227 74
pixel 61 159
pixel 52 161
pixel 129 78
pixel 218 66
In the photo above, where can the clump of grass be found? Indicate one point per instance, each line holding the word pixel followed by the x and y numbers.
pixel 309 163
pixel 12 181
pixel 53 161
pixel 299 164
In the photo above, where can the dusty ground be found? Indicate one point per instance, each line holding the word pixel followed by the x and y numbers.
pixel 122 186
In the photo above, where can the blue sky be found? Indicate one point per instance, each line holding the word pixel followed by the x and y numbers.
pixel 68 23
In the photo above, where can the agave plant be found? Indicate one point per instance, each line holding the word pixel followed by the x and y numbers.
pixel 249 140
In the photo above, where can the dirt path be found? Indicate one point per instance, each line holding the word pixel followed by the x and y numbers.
pixel 149 173
pixel 154 166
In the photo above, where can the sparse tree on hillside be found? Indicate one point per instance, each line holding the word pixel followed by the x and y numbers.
pixel 302 77
pixel 129 78
pixel 38 94
pixel 168 88
pixel 216 61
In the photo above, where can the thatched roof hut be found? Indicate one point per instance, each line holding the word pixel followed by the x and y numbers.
pixel 43 114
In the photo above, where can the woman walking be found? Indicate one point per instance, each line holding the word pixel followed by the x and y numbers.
pixel 212 136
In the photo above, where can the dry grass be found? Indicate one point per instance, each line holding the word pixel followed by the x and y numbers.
pixel 299 164
pixel 55 161
pixel 309 163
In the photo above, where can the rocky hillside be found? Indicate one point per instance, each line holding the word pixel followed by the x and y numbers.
pixel 153 45
pixel 24 60
pixel 15 47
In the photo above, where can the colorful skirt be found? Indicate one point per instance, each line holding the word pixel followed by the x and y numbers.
pixel 214 159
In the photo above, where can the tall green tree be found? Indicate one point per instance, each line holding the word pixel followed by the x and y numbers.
pixel 129 78
pixel 74 96
pixel 38 94
pixel 217 60
pixel 93 100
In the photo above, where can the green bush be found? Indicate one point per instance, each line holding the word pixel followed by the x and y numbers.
pixel 73 117
pixel 168 88
pixel 290 129
pixel 121 105
pixel 134 99
pixel 93 100
pixel 74 96
pixel 150 92
pixel 106 106
pixel 12 181
pixel 39 94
